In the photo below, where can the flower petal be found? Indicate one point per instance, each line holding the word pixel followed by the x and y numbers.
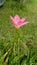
pixel 21 24
pixel 17 18
pixel 23 19
pixel 12 19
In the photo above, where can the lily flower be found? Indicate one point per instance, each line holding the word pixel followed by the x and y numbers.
pixel 17 21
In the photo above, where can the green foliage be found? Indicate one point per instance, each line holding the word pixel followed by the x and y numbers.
pixel 18 49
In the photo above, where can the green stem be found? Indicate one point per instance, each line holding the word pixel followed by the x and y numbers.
pixel 28 58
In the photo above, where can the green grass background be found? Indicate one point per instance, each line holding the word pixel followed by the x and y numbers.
pixel 18 46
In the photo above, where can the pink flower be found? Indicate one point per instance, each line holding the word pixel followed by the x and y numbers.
pixel 17 21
